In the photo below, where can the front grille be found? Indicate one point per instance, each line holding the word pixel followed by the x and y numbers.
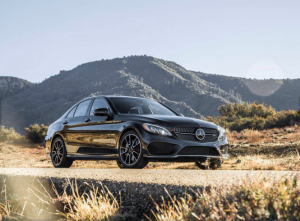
pixel 188 133
pixel 161 148
pixel 190 150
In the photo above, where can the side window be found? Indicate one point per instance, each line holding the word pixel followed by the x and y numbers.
pixel 71 113
pixel 98 103
pixel 82 108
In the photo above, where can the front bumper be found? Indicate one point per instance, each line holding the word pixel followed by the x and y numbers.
pixel 171 148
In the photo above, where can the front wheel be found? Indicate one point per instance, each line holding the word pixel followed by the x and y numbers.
pixel 131 151
pixel 59 154
pixel 212 164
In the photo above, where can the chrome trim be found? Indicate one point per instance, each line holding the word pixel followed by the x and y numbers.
pixel 210 134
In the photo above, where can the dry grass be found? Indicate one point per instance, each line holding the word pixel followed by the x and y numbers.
pixel 23 155
pixel 250 199
pixel 263 162
pixel 275 136
pixel 253 198
pixel 248 162
pixel 41 202
pixel 94 205
pixel 253 136
pixel 16 204
pixel 5 207
pixel 10 135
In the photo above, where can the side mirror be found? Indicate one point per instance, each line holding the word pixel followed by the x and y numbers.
pixel 102 112
pixel 181 115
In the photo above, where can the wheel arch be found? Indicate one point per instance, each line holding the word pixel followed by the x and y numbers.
pixel 54 137
pixel 130 128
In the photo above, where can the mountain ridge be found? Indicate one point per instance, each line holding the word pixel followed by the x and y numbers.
pixel 195 94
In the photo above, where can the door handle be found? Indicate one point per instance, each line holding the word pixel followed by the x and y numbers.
pixel 65 122
pixel 87 120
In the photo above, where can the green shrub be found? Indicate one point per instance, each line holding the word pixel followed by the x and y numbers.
pixel 254 116
pixel 36 133
pixel 10 135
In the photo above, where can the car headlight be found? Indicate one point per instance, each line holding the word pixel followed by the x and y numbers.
pixel 222 133
pixel 156 129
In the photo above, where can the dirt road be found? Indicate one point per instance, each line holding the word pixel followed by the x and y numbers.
pixel 155 176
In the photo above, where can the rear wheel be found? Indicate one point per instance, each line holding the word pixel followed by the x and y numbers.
pixel 59 154
pixel 131 151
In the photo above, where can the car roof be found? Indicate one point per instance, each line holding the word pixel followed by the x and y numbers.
pixel 114 96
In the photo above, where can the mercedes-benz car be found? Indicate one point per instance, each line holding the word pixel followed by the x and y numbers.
pixel 133 131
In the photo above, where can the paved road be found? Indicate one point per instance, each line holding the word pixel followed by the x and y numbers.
pixel 161 176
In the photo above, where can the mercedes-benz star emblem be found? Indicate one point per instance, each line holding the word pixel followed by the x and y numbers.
pixel 200 134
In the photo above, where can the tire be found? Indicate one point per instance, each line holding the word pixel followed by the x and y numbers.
pixel 59 154
pixel 201 165
pixel 213 164
pixel 130 152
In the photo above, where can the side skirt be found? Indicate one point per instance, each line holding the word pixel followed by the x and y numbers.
pixel 93 157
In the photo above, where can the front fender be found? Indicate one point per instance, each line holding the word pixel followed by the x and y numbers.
pixel 124 127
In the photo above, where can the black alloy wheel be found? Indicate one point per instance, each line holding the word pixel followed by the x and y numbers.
pixel 131 151
pixel 59 154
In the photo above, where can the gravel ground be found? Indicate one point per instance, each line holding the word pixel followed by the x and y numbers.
pixel 155 176
pixel 133 188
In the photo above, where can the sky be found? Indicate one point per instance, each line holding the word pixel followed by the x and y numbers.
pixel 250 38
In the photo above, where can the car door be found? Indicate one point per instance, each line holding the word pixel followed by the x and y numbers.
pixel 97 131
pixel 72 126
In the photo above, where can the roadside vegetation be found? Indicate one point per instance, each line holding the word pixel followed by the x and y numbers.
pixel 238 117
pixel 36 133
pixel 10 135
pixel 33 134
pixel 41 201
pixel 252 198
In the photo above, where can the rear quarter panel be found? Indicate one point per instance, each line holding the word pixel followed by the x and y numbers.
pixel 53 129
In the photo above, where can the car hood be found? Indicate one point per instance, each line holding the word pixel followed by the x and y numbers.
pixel 173 121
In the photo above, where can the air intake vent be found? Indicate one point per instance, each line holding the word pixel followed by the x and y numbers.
pixel 190 150
pixel 161 148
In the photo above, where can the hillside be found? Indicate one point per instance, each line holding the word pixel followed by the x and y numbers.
pixel 12 85
pixel 136 76
pixel 280 94
pixel 194 94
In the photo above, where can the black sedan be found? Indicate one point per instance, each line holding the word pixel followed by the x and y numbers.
pixel 133 131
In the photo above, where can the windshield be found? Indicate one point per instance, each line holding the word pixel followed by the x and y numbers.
pixel 128 105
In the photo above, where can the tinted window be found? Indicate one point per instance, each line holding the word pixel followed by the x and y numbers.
pixel 71 113
pixel 98 103
pixel 139 106
pixel 82 108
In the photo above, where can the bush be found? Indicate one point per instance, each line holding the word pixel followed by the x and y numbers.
pixel 254 116
pixel 10 135
pixel 251 199
pixel 36 133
